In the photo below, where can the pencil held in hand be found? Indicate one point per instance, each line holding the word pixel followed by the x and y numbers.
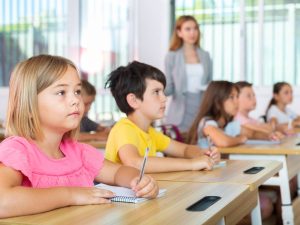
pixel 212 151
pixel 209 143
pixel 142 171
pixel 290 124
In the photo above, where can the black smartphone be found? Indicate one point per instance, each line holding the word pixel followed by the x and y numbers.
pixel 254 170
pixel 298 144
pixel 203 203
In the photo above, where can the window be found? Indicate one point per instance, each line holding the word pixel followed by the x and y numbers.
pixel 95 34
pixel 105 45
pixel 249 40
pixel 30 27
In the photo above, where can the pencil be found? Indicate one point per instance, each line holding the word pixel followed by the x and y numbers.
pixel 142 171
pixel 209 142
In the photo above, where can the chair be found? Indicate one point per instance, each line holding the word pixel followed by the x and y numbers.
pixel 171 131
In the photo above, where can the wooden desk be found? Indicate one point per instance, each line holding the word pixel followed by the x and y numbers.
pixel 96 144
pixel 231 173
pixel 287 147
pixel 289 154
pixel 169 209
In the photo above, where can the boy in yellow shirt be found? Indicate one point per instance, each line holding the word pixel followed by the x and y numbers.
pixel 138 90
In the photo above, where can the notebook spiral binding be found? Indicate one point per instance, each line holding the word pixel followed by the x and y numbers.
pixel 124 199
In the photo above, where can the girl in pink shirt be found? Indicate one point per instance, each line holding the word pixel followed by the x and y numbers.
pixel 40 161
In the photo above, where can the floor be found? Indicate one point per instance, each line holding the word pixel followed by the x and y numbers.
pixel 271 221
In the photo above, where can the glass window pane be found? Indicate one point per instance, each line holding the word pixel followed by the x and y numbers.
pixel 220 26
pixel 104 46
pixel 30 27
pixel 100 38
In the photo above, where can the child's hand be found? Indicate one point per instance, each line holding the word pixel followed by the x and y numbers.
pixel 202 163
pixel 289 132
pixel 243 139
pixel 146 188
pixel 214 154
pixel 276 136
pixel 90 195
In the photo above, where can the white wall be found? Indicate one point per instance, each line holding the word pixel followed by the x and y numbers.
pixel 3 103
pixel 153 19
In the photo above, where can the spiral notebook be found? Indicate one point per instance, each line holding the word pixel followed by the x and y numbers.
pixel 125 194
pixel 262 142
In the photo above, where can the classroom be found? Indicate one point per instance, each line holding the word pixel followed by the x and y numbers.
pixel 150 112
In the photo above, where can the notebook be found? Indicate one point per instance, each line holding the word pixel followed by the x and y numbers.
pixel 220 164
pixel 125 194
pixel 261 142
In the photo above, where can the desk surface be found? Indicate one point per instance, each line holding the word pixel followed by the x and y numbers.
pixel 231 173
pixel 96 144
pixel 169 209
pixel 287 147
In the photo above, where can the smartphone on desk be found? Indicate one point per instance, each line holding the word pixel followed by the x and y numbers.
pixel 254 170
pixel 203 203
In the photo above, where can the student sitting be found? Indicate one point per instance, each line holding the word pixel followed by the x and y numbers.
pixel 42 166
pixel 287 119
pixel 90 130
pixel 215 119
pixel 247 103
pixel 138 89
pixel 277 110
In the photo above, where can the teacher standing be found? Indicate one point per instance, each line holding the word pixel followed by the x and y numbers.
pixel 188 70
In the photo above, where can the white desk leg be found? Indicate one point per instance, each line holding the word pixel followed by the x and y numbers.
pixel 282 182
pixel 221 222
pixel 287 208
pixel 256 214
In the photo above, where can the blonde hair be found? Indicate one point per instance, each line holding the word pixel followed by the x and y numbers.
pixel 176 41
pixel 28 79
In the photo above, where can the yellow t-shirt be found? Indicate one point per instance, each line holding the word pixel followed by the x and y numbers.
pixel 126 132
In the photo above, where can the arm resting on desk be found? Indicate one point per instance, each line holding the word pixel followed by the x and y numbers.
pixel 129 156
pixel 17 200
pixel 182 150
pixel 125 176
pixel 221 139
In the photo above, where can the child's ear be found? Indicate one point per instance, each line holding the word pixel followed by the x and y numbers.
pixel 132 100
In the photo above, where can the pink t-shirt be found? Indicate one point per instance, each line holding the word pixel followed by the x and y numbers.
pixel 79 167
pixel 245 120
